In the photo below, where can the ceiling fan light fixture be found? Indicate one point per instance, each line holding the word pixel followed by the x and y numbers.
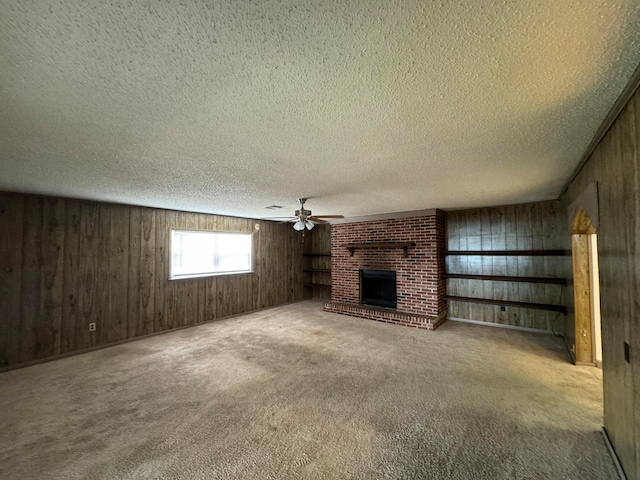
pixel 299 225
pixel 309 224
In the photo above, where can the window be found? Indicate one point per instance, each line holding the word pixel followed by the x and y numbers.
pixel 200 254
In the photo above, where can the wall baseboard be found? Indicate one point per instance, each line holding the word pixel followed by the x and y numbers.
pixel 585 364
pixel 121 342
pixel 613 454
pixel 500 325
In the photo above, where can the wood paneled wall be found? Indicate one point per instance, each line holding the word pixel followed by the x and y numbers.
pixel 615 165
pixel 67 263
pixel 534 226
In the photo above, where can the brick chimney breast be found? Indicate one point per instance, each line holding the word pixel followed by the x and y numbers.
pixel 419 282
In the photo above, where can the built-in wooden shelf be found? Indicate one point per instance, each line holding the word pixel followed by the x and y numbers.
pixel 323 270
pixel 317 254
pixel 501 278
pixel 508 303
pixel 382 245
pixel 511 253
pixel 317 285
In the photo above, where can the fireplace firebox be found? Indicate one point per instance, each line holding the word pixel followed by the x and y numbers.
pixel 378 287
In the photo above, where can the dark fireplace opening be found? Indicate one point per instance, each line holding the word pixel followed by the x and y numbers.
pixel 378 287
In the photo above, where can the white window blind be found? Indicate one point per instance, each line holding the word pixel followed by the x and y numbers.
pixel 199 254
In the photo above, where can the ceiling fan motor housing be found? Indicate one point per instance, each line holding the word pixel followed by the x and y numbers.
pixel 303 213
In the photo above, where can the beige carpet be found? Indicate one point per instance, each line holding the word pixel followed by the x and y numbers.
pixel 294 392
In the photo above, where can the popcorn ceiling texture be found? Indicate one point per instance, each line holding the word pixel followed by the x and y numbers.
pixel 365 106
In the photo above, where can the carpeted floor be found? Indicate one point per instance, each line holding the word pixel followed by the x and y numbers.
pixel 294 392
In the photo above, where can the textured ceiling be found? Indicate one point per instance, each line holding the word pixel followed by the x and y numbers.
pixel 364 106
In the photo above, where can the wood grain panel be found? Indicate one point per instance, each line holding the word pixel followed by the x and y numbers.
pixel 134 326
pixel 117 263
pixel 102 307
pixel 88 273
pixel 30 280
pixel 633 259
pixel 71 278
pixel 11 219
pixel 161 273
pixel 68 263
pixel 49 322
pixel 146 271
pixel 517 227
pixel 255 278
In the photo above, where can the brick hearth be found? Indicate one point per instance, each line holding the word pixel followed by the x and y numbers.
pixel 420 287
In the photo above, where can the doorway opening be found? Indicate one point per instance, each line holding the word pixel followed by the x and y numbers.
pixel 586 290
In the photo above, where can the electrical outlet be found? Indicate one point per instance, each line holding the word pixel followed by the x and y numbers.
pixel 503 308
pixel 92 327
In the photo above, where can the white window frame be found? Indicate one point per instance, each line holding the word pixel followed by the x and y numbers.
pixel 178 276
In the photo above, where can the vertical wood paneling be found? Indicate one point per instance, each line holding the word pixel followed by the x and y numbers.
pixel 49 322
pixel 633 143
pixel 102 307
pixel 11 240
pixel 88 273
pixel 134 326
pixel 524 241
pixel 255 278
pixel 146 271
pixel 161 268
pixel 71 283
pixel 67 263
pixel 30 281
pixel 486 242
pixel 517 227
pixel 118 286
pixel 463 285
pixel 499 242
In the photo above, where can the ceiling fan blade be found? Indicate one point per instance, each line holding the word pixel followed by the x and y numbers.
pixel 317 220
pixel 328 216
pixel 280 219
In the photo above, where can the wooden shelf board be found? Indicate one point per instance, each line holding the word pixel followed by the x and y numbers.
pixel 509 303
pixel 501 278
pixel 379 245
pixel 511 253
pixel 323 270
pixel 316 285
pixel 317 254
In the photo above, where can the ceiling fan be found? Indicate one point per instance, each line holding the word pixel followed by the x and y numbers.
pixel 304 219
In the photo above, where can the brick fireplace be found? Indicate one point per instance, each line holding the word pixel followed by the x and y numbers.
pixel 412 247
